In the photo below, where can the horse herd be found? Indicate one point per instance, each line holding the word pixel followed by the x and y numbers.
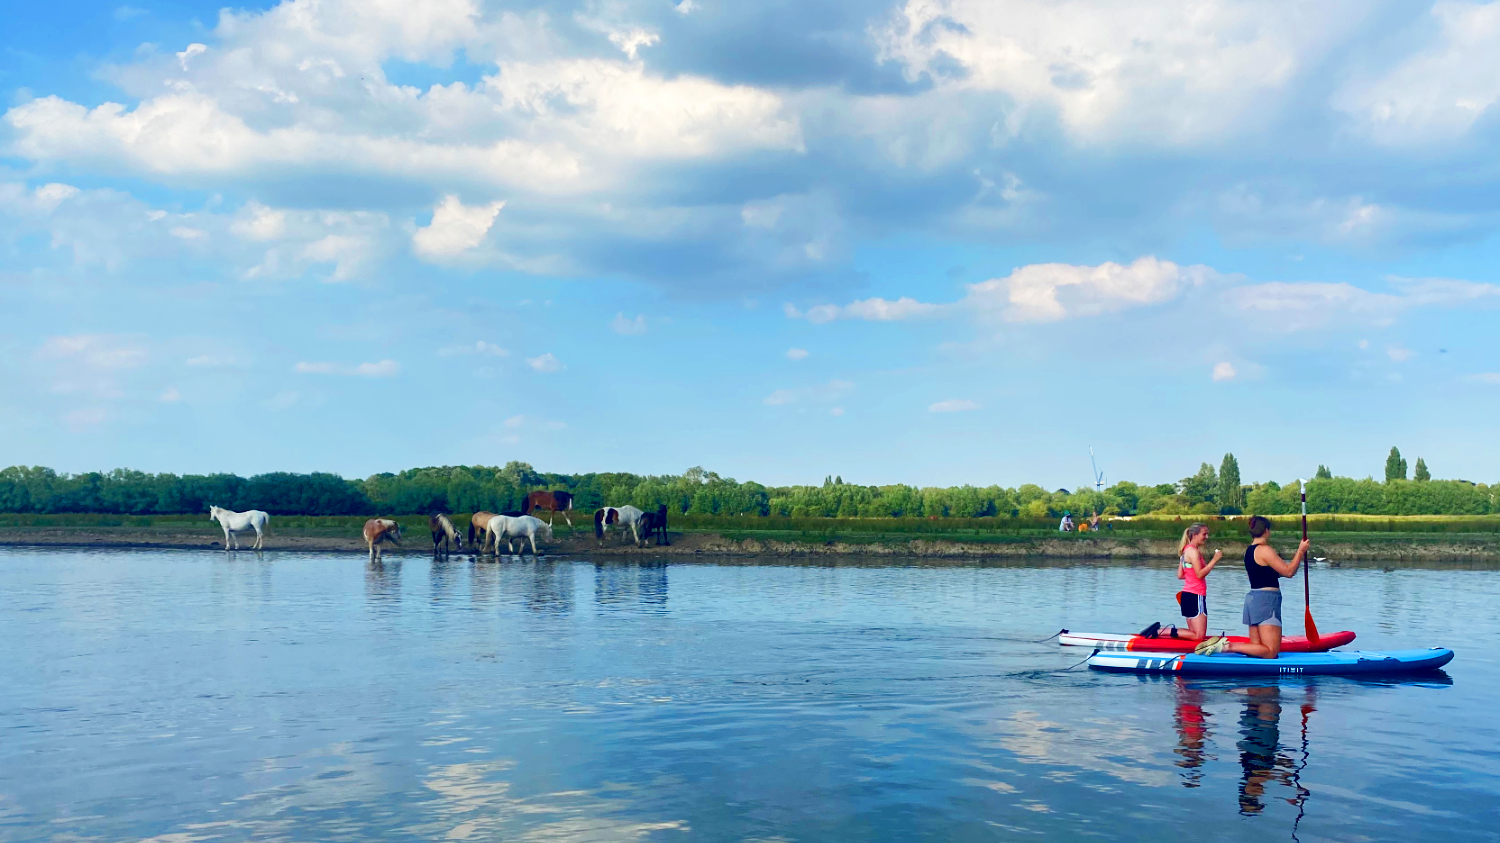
pixel 487 528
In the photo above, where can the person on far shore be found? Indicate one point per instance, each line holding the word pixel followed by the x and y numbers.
pixel 1262 613
pixel 1066 525
pixel 1191 569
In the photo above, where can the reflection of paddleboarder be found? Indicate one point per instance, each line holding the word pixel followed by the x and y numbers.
pixel 1192 732
pixel 1260 737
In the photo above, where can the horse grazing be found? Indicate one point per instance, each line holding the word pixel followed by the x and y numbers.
pixel 477 522
pixel 655 522
pixel 239 522
pixel 379 530
pixel 443 533
pixel 553 502
pixel 512 527
pixel 625 516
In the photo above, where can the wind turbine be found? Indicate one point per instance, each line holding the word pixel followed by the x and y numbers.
pixel 1098 475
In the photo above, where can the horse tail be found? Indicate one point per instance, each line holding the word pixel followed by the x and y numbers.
pixel 599 524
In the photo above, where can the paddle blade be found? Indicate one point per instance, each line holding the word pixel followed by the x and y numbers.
pixel 1312 628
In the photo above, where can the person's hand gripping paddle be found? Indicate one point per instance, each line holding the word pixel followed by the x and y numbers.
pixel 1307 618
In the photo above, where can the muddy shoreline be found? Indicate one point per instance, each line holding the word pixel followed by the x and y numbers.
pixel 1367 547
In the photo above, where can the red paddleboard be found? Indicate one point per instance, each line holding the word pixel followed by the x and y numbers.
pixel 1135 643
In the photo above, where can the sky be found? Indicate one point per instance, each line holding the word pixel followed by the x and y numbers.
pixel 935 242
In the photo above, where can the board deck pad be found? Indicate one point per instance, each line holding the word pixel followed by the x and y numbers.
pixel 1340 663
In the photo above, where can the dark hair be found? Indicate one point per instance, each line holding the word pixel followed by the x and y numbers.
pixel 1259 526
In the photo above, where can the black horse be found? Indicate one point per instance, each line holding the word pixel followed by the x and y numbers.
pixel 655 522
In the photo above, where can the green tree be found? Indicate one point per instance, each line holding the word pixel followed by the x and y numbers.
pixel 1421 474
pixel 1231 495
pixel 1395 466
pixel 1323 473
pixel 1201 487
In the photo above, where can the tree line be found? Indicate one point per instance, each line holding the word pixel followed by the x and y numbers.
pixel 1210 491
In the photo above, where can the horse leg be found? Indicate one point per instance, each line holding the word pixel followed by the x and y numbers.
pixel 533 547
pixel 260 539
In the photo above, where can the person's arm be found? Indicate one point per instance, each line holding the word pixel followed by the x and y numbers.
pixel 1266 555
pixel 1201 568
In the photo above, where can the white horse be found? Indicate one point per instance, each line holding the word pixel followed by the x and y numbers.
pixel 625 516
pixel 240 522
pixel 512 527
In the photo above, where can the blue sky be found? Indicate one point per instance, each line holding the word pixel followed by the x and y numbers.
pixel 935 242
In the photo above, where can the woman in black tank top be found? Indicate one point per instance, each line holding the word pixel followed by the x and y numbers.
pixel 1262 614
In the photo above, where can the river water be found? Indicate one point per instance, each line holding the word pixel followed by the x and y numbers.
pixel 184 696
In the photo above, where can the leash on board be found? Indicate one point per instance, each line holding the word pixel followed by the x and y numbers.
pixel 1052 636
pixel 1085 661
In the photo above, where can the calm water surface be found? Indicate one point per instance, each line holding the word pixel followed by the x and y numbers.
pixel 185 696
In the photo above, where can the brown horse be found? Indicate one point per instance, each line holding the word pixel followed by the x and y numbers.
pixel 477 526
pixel 379 530
pixel 443 533
pixel 553 502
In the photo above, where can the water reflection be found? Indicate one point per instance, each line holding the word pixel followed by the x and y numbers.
pixel 621 584
pixel 383 581
pixel 546 588
pixel 1193 733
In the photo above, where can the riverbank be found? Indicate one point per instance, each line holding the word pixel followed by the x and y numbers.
pixel 580 542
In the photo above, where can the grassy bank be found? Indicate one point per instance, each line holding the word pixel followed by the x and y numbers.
pixel 1335 536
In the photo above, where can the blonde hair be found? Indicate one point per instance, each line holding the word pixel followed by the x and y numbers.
pixel 1187 536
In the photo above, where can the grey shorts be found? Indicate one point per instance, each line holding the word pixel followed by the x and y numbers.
pixel 1262 608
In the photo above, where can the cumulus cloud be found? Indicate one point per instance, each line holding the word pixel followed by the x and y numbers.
pixel 626 326
pixel 382 369
pixel 1224 371
pixel 455 228
pixel 796 354
pixel 873 309
pixel 1051 291
pixel 90 365
pixel 1399 354
pixel 170 395
pixel 545 363
pixel 953 405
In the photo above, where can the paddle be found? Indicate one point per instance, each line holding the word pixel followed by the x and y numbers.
pixel 1307 618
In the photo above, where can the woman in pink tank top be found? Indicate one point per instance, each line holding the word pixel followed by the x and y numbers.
pixel 1191 569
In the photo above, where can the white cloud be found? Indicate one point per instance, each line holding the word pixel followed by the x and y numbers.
pixel 1399 354
pixel 796 354
pixel 170 395
pixel 1048 292
pixel 836 411
pixel 545 363
pixel 873 309
pixel 183 232
pixel 480 348
pixel 85 419
pixel 216 361
pixel 258 222
pixel 455 228
pixel 1441 91
pixel 283 400
pixel 95 351
pixel 1224 371
pixel 515 421
pixel 686 7
pixel 628 327
pixel 1140 71
pixel 953 405
pixel 382 369
pixel 347 253
pixel 781 396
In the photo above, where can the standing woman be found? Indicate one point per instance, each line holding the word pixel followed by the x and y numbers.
pixel 1262 615
pixel 1191 569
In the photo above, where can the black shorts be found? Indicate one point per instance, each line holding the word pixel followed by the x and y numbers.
pixel 1192 604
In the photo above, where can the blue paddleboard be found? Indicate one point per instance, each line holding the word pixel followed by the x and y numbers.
pixel 1296 664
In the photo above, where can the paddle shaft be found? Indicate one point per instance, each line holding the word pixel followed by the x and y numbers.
pixel 1307 618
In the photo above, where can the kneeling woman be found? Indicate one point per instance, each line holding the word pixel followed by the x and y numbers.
pixel 1191 569
pixel 1262 615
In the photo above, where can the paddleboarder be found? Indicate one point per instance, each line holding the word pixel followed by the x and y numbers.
pixel 1262 612
pixel 1191 569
